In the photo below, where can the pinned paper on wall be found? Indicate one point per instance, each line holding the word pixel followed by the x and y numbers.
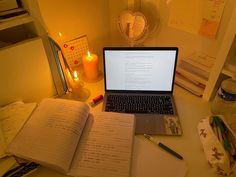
pixel 197 16
pixel 212 12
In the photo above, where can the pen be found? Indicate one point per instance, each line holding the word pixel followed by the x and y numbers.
pixel 163 147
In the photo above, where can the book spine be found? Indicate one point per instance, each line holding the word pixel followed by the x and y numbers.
pixel 198 71
pixel 200 60
pixel 192 76
pixel 188 85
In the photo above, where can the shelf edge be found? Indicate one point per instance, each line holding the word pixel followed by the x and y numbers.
pixel 228 72
pixel 15 22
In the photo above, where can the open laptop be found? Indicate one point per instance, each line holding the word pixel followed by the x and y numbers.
pixel 142 77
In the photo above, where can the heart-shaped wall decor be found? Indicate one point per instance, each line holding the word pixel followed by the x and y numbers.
pixel 132 24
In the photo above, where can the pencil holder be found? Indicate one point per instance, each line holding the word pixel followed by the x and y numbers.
pixel 219 142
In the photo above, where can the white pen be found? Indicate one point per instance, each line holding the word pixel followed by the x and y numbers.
pixel 163 147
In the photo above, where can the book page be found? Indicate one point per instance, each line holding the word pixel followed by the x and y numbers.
pixel 105 148
pixel 151 160
pixel 52 133
pixel 12 119
pixel 200 60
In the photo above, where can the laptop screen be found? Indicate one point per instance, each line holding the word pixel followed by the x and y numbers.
pixel 139 69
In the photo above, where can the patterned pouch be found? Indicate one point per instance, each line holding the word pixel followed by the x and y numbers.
pixel 219 148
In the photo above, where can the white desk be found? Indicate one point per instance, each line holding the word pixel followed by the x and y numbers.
pixel 191 110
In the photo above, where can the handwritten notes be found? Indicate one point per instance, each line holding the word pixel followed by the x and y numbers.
pixel 60 134
pixel 66 124
pixel 197 16
pixel 50 135
pixel 60 115
pixel 106 146
pixel 12 118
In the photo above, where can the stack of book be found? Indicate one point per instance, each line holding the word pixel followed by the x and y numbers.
pixel 193 72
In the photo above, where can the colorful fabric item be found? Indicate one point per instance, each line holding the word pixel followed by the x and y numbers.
pixel 215 147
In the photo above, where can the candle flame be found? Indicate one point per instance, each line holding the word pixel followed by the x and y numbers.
pixel 60 34
pixel 75 75
pixel 89 54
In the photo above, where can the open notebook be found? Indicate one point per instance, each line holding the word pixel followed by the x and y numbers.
pixel 63 135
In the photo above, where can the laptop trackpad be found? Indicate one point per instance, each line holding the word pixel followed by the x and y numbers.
pixel 157 124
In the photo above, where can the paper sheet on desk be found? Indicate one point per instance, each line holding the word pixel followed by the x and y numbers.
pixel 150 160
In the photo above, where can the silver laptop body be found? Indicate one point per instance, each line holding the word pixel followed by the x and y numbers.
pixel 145 72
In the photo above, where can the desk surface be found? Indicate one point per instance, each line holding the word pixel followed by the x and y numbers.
pixel 191 110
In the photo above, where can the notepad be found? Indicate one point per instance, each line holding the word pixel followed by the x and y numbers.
pixel 152 161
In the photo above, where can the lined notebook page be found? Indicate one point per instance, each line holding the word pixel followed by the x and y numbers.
pixel 105 147
pixel 12 119
pixel 52 133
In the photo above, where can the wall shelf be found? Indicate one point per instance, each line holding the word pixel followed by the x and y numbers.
pixel 224 63
pixel 24 30
pixel 229 71
pixel 15 22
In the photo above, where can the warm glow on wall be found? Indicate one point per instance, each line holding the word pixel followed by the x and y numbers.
pixel 60 35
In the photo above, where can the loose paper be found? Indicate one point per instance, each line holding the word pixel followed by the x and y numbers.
pixel 197 16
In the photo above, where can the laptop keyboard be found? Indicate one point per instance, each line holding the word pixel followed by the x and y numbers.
pixel 139 104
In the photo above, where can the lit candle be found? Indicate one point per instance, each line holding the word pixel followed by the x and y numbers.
pixel 72 80
pixel 90 64
pixel 76 83
pixel 76 76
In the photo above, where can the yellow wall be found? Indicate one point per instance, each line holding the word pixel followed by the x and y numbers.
pixel 25 73
pixel 98 19
pixel 74 18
